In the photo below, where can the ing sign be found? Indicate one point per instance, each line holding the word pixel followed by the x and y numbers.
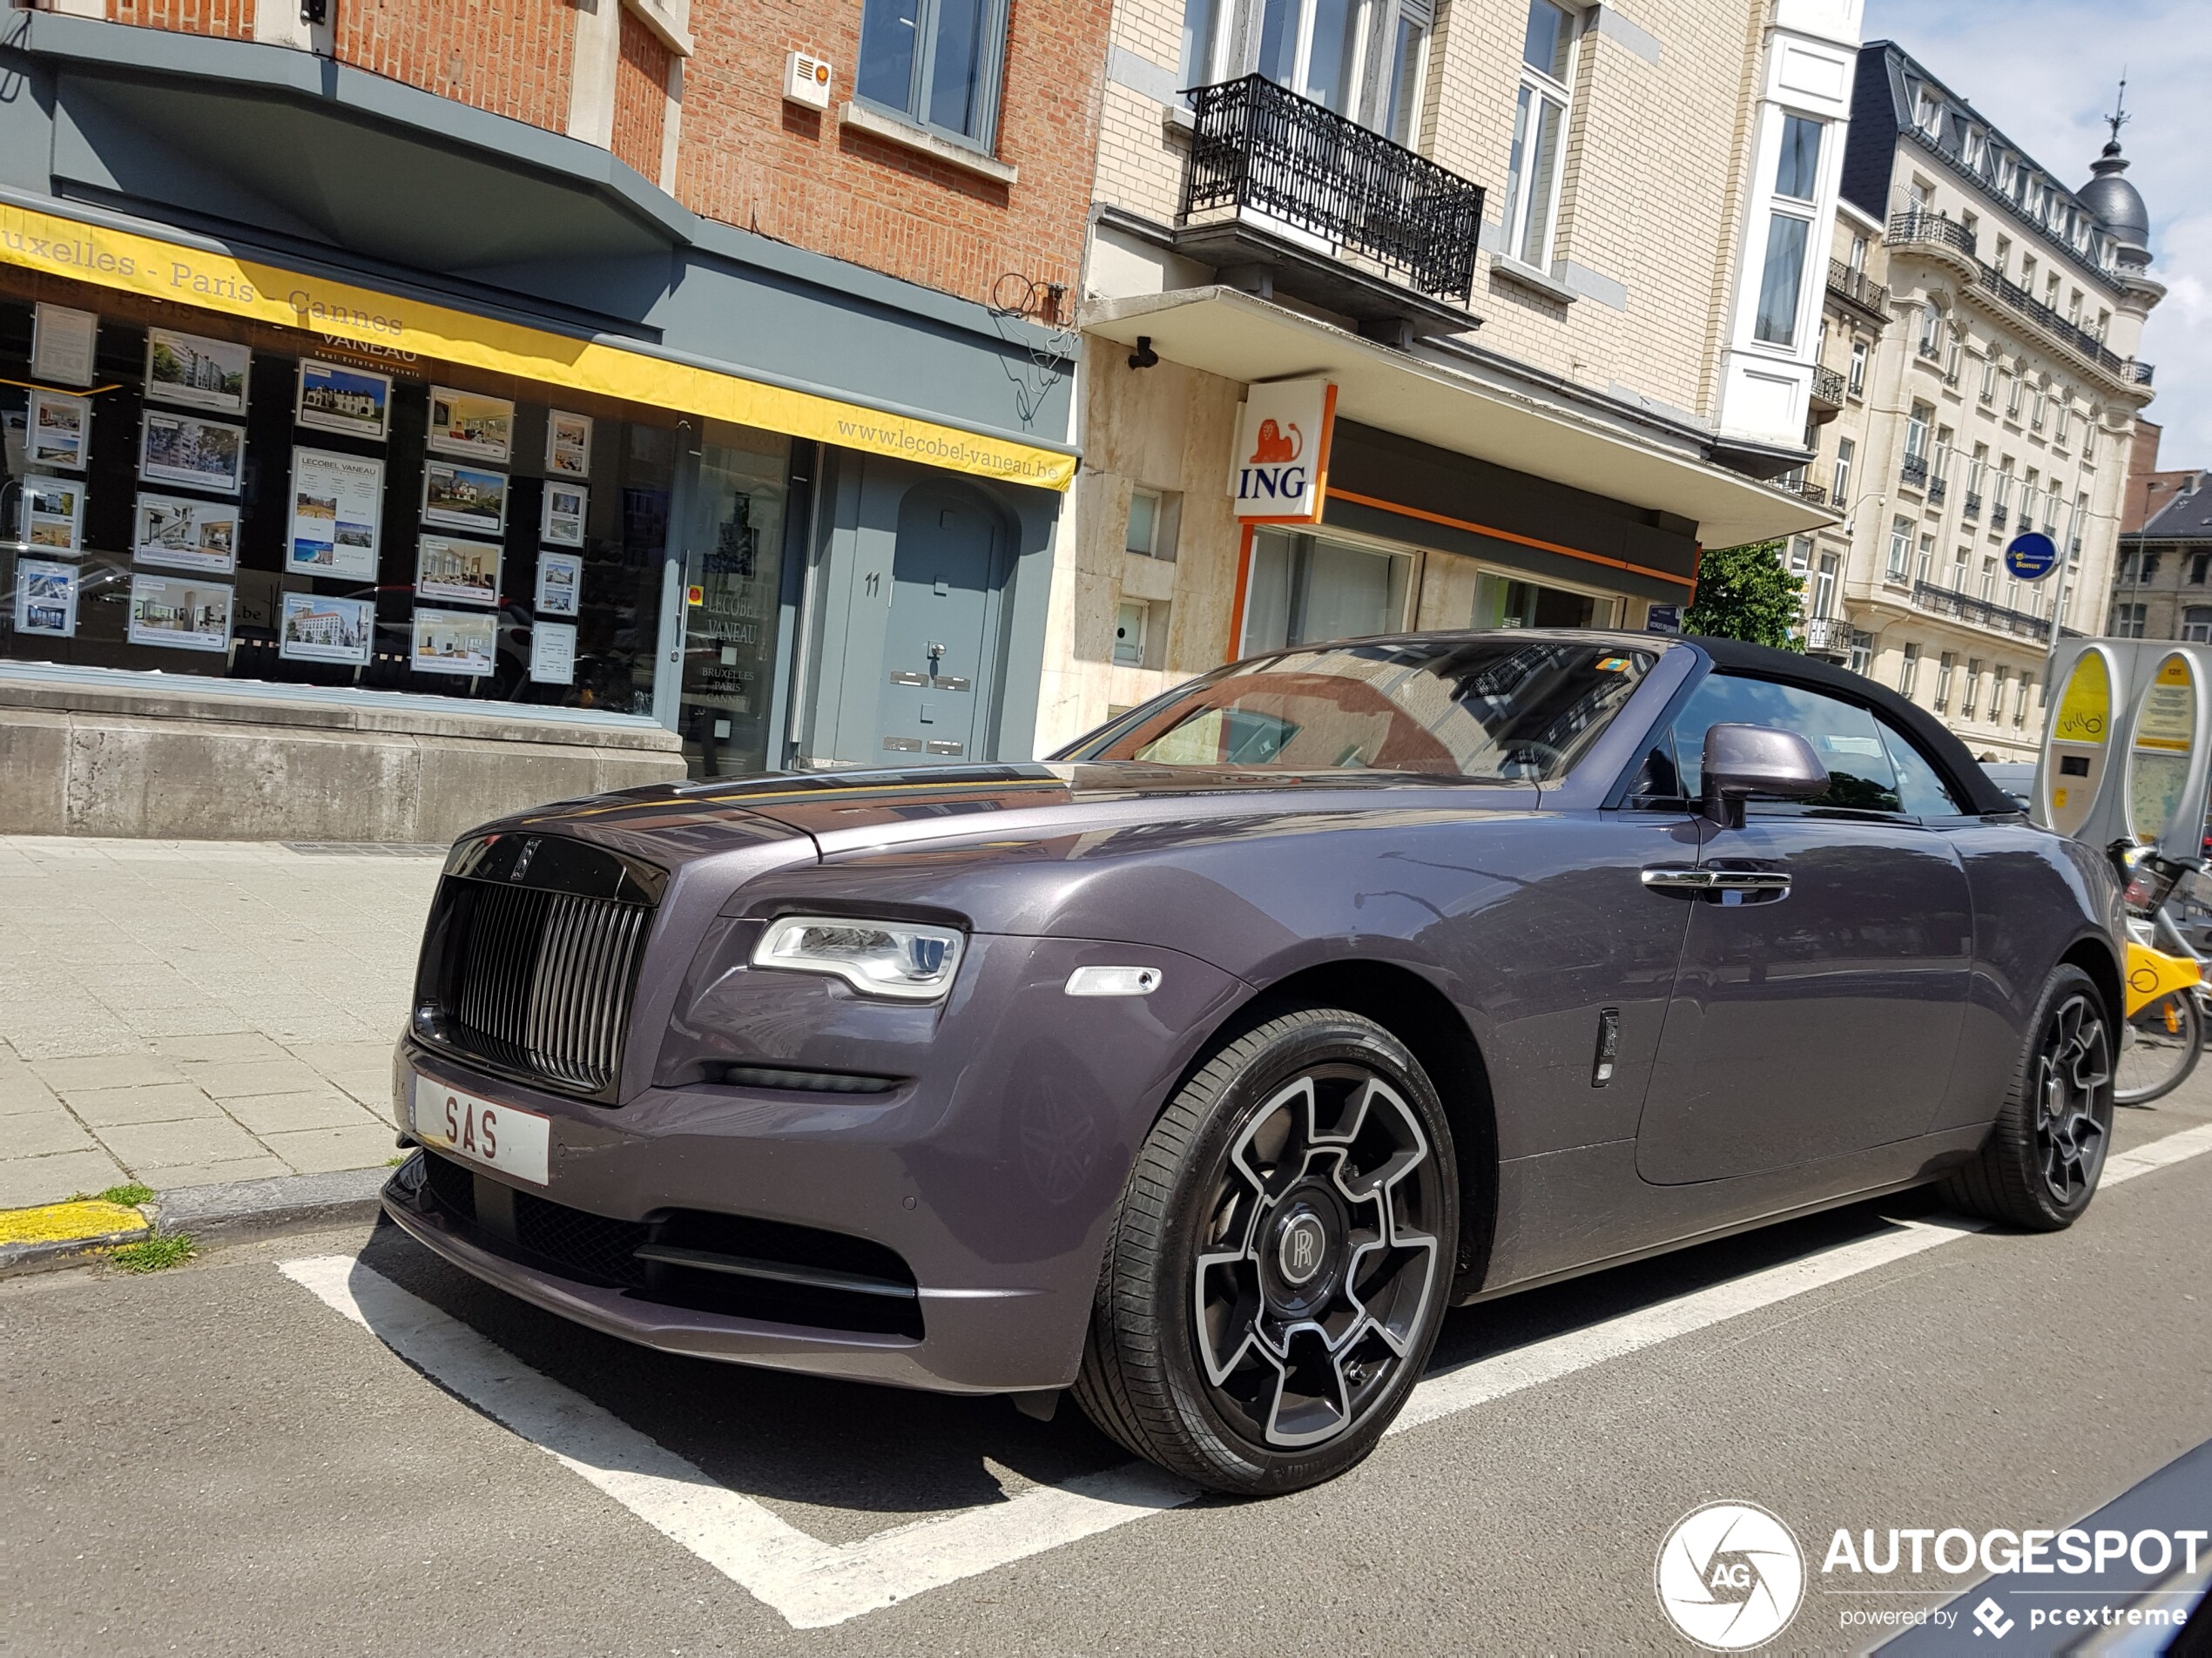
pixel 1281 465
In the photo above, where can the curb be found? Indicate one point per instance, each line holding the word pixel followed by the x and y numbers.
pixel 206 1213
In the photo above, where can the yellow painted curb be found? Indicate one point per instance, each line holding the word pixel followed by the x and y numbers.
pixel 70 1223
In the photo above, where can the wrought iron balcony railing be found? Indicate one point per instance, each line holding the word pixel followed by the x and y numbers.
pixel 1936 488
pixel 1972 507
pixel 2073 335
pixel 1827 386
pixel 1260 147
pixel 1981 613
pixel 1827 635
pixel 1933 230
pixel 1847 284
pixel 1997 515
pixel 1914 472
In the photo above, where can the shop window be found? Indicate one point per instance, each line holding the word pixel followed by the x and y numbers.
pixel 1304 590
pixel 1504 602
pixel 935 62
pixel 222 502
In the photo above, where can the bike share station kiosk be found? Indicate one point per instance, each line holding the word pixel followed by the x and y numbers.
pixel 2125 768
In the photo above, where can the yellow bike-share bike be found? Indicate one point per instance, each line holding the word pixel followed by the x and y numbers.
pixel 2163 1034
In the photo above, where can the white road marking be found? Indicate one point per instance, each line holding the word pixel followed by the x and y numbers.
pixel 814 1585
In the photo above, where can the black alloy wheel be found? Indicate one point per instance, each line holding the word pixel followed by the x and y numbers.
pixel 2040 1166
pixel 1281 1260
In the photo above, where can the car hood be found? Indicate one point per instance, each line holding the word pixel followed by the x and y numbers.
pixel 844 812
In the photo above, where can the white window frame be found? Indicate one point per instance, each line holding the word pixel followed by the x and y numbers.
pixel 1535 87
pixel 1233 52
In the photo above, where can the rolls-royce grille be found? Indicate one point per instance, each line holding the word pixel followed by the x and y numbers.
pixel 532 981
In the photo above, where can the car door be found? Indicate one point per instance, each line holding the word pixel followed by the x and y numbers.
pixel 1824 976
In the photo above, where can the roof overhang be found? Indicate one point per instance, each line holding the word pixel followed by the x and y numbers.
pixel 1226 332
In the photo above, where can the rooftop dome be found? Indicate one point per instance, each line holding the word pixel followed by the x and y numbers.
pixel 2118 205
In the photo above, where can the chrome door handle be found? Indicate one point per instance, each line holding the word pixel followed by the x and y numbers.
pixel 1699 883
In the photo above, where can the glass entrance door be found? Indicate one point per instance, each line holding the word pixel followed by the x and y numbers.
pixel 732 575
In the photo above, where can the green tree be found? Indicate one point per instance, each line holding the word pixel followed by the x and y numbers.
pixel 1746 593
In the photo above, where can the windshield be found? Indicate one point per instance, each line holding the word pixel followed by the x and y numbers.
pixel 1494 708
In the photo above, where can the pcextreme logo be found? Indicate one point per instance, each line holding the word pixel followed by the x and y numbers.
pixel 1730 1576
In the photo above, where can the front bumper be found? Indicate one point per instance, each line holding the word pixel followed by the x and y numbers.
pixel 993 1172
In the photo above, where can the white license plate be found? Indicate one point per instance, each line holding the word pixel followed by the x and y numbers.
pixel 505 1137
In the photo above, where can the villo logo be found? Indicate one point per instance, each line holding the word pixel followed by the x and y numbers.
pixel 1281 463
pixel 1730 1576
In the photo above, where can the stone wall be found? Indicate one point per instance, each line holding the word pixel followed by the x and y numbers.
pixel 188 765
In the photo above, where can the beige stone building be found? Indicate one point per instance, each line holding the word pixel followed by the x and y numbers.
pixel 1978 382
pixel 1559 263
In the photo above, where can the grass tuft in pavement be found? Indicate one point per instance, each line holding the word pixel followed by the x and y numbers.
pixel 155 1254
pixel 131 1195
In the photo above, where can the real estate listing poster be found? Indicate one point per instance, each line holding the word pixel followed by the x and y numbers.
pixel 180 612
pixel 194 453
pixel 62 342
pixel 319 629
pixel 560 583
pixel 53 513
pixel 352 402
pixel 473 427
pixel 206 373
pixel 446 567
pixel 337 501
pixel 61 429
pixel 180 534
pixel 464 497
pixel 553 653
pixel 568 444
pixel 46 598
pixel 562 519
pixel 455 642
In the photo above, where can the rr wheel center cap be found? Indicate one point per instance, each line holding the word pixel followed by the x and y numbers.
pixel 1304 1249
pixel 1301 1248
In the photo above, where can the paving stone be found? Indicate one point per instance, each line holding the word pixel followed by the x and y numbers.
pixel 42 1133
pixel 315 1151
pixel 120 1070
pixel 232 1048
pixel 265 1115
pixel 235 1081
pixel 169 1177
pixel 25 1181
pixel 166 1102
pixel 192 1140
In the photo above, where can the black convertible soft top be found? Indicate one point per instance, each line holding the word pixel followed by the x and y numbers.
pixel 1949 756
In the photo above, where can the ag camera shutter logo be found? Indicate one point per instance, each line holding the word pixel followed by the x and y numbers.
pixel 1730 1576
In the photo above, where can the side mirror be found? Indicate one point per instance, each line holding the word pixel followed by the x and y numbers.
pixel 1744 760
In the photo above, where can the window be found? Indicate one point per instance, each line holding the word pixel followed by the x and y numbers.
pixel 1861 776
pixel 2035 411
pixel 1928 115
pixel 1152 519
pixel 1494 708
pixel 1823 585
pixel 1797 173
pixel 1943 681
pixel 2150 566
pixel 2004 253
pixel 2198 565
pixel 2064 415
pixel 2196 624
pixel 1862 652
pixel 935 62
pixel 1973 690
pixel 1989 379
pixel 1916 432
pixel 1539 134
pixel 1989 579
pixel 2127 621
pixel 1304 589
pixel 2020 704
pixel 1800 554
pixel 1857 260
pixel 2089 439
pixel 1846 451
pixel 1130 618
pixel 1930 331
pixel 1363 58
pixel 1908 671
pixel 2013 396
pixel 2000 497
pixel 1900 548
pixel 2073 307
pixel 1856 382
pixel 1927 556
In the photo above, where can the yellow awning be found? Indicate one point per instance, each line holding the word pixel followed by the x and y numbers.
pixel 1239 336
pixel 218 282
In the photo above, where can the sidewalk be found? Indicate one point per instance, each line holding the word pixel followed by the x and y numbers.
pixel 181 1013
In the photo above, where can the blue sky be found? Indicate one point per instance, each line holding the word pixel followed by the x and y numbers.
pixel 2044 71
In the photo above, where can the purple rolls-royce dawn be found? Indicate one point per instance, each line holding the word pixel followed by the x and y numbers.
pixel 1200 1069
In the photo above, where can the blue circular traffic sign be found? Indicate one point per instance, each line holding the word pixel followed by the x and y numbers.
pixel 2032 556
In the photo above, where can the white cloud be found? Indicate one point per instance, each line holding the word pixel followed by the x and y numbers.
pixel 2045 71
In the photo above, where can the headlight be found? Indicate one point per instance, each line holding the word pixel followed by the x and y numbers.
pixel 897 959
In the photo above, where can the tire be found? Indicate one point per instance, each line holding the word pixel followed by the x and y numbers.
pixel 2040 1166
pixel 1315 1144
pixel 2159 1047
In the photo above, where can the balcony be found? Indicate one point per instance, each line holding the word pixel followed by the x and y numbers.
pixel 1981 613
pixel 1828 635
pixel 1918 228
pixel 1913 475
pixel 1937 488
pixel 1870 299
pixel 1284 193
pixel 1798 484
pixel 1827 388
pixel 1972 506
pixel 1997 516
pixel 2072 335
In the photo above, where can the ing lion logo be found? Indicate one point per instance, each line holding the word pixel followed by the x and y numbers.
pixel 1273 449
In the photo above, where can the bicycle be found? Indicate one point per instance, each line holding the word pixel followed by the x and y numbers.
pixel 2163 1034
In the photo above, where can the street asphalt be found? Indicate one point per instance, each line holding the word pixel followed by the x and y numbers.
pixel 213 1459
